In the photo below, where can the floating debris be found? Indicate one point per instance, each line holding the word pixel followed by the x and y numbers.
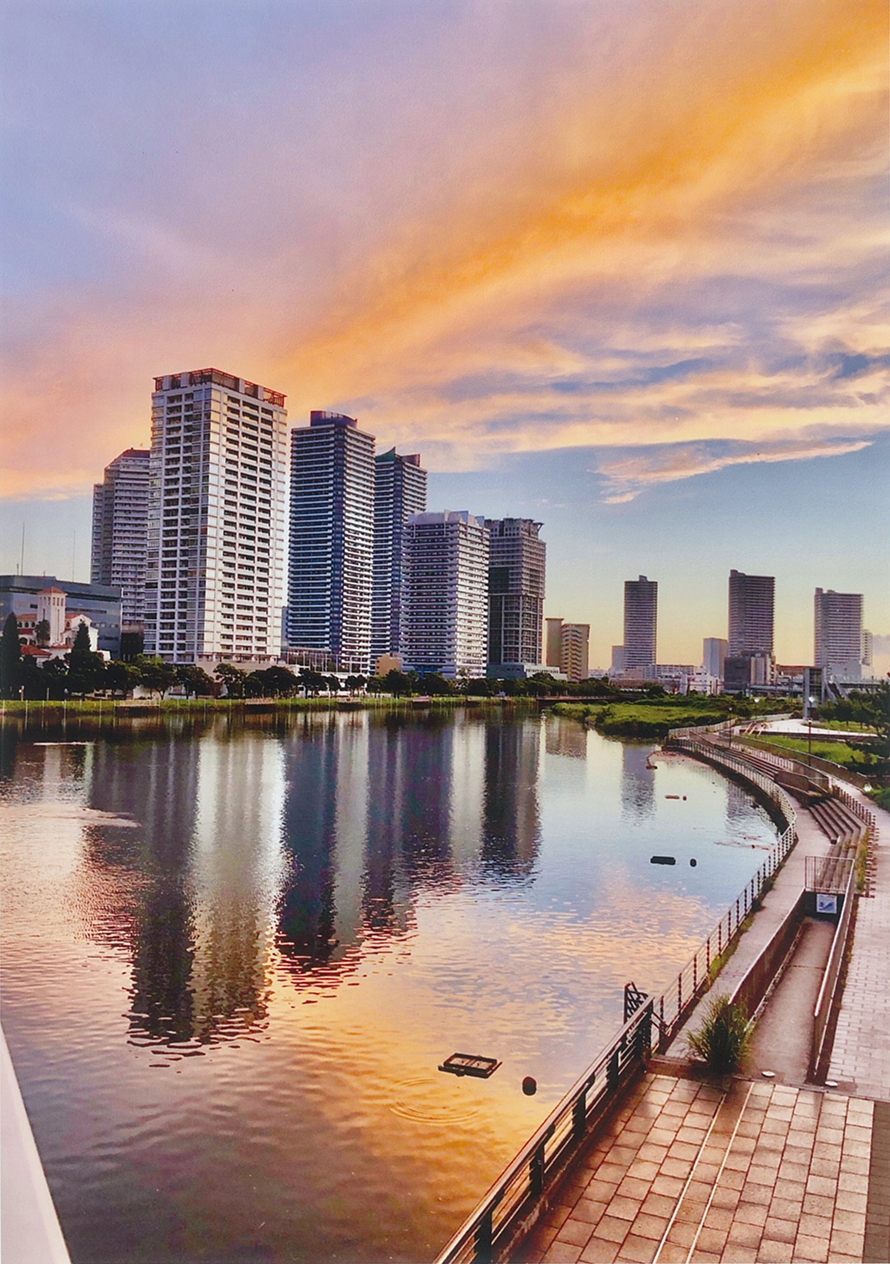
pixel 470 1064
pixel 672 796
pixel 662 860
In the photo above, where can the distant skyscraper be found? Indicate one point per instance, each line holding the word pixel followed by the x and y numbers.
pixel 444 624
pixel 516 577
pixel 640 622
pixel 838 633
pixel 331 539
pixel 568 648
pixel 751 601
pixel 216 518
pixel 399 491
pixel 714 649
pixel 120 532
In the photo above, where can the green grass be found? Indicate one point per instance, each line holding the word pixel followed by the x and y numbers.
pixel 836 752
pixel 108 707
pixel 639 719
pixel 881 797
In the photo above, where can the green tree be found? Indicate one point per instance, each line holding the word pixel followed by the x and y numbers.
pixel 41 632
pixel 194 680
pixel 10 658
pixel 312 682
pixel 86 669
pixel 82 639
pixel 121 677
pixel 278 682
pixel 154 674
pixel 55 670
pixel 233 678
pixel 397 683
pixel 355 684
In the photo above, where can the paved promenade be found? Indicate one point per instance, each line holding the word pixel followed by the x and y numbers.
pixel 757 1170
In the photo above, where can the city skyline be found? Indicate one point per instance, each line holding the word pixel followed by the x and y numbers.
pixel 609 269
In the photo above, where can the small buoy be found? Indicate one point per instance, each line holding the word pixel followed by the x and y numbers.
pixel 693 862
pixel 684 798
pixel 529 1086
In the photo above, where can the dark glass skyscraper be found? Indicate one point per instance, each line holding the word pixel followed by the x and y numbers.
pixel 516 573
pixel 120 531
pixel 751 603
pixel 640 622
pixel 331 540
pixel 399 491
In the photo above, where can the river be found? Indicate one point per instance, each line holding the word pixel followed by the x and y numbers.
pixel 234 954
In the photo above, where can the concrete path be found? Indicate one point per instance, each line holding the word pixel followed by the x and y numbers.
pixel 782 1040
pixel 860 1060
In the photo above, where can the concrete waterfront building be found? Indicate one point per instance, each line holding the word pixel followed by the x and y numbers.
pixel 838 633
pixel 444 625
pixel 330 569
pixel 516 581
pixel 568 648
pixel 640 622
pixel 399 491
pixel 751 606
pixel 216 519
pixel 120 532
pixel 60 602
pixel 714 650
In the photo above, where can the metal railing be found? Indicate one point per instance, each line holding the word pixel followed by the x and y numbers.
pixel 519 1196
pixel 828 992
pixel 513 1203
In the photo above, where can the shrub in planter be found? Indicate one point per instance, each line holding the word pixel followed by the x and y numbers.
pixel 723 1038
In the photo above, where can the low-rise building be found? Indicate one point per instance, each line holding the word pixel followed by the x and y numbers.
pixel 37 598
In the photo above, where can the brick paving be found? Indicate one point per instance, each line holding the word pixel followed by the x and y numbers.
pixel 688 1172
pixel 860 1058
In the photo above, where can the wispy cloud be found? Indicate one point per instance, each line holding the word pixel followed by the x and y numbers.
pixel 627 476
pixel 485 230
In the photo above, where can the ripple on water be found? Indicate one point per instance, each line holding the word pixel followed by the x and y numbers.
pixel 430 1099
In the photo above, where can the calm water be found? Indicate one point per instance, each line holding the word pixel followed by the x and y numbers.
pixel 234 956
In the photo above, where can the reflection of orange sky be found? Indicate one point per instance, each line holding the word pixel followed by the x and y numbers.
pixel 676 145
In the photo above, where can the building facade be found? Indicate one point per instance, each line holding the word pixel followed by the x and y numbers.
pixel 330 568
pixel 59 602
pixel 399 491
pixel 751 610
pixel 120 532
pixel 839 645
pixel 516 581
pixel 444 626
pixel 640 623
pixel 568 648
pixel 714 651
pixel 216 524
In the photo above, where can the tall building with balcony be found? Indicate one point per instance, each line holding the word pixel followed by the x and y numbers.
pixel 640 622
pixel 330 569
pixel 839 644
pixel 568 648
pixel 120 532
pixel 444 625
pixel 751 610
pixel 399 491
pixel 216 524
pixel 516 578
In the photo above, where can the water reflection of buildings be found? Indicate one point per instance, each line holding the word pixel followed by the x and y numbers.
pixel 512 819
pixel 637 782
pixel 565 737
pixel 298 849
pixel 205 870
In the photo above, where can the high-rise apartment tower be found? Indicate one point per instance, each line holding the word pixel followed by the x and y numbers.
pixel 640 622
pixel 120 532
pixel 399 491
pixel 445 594
pixel 330 568
pixel 516 574
pixel 216 518
pixel 751 602
pixel 568 648
pixel 838 633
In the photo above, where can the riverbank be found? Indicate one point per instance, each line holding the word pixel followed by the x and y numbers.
pixel 652 720
pixel 122 708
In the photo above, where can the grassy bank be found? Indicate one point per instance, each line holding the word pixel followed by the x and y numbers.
pixel 836 752
pixel 202 706
pixel 639 719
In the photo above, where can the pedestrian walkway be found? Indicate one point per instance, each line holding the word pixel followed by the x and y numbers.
pixel 860 1059
pixel 755 1170
pixel 687 1172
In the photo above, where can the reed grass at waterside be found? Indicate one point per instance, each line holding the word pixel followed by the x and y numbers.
pixel 200 706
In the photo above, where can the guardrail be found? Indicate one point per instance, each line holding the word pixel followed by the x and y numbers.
pixel 514 1202
pixel 519 1196
pixel 828 992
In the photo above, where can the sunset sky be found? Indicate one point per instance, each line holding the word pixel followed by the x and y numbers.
pixel 614 264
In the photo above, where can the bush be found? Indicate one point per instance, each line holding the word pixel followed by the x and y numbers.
pixel 723 1038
